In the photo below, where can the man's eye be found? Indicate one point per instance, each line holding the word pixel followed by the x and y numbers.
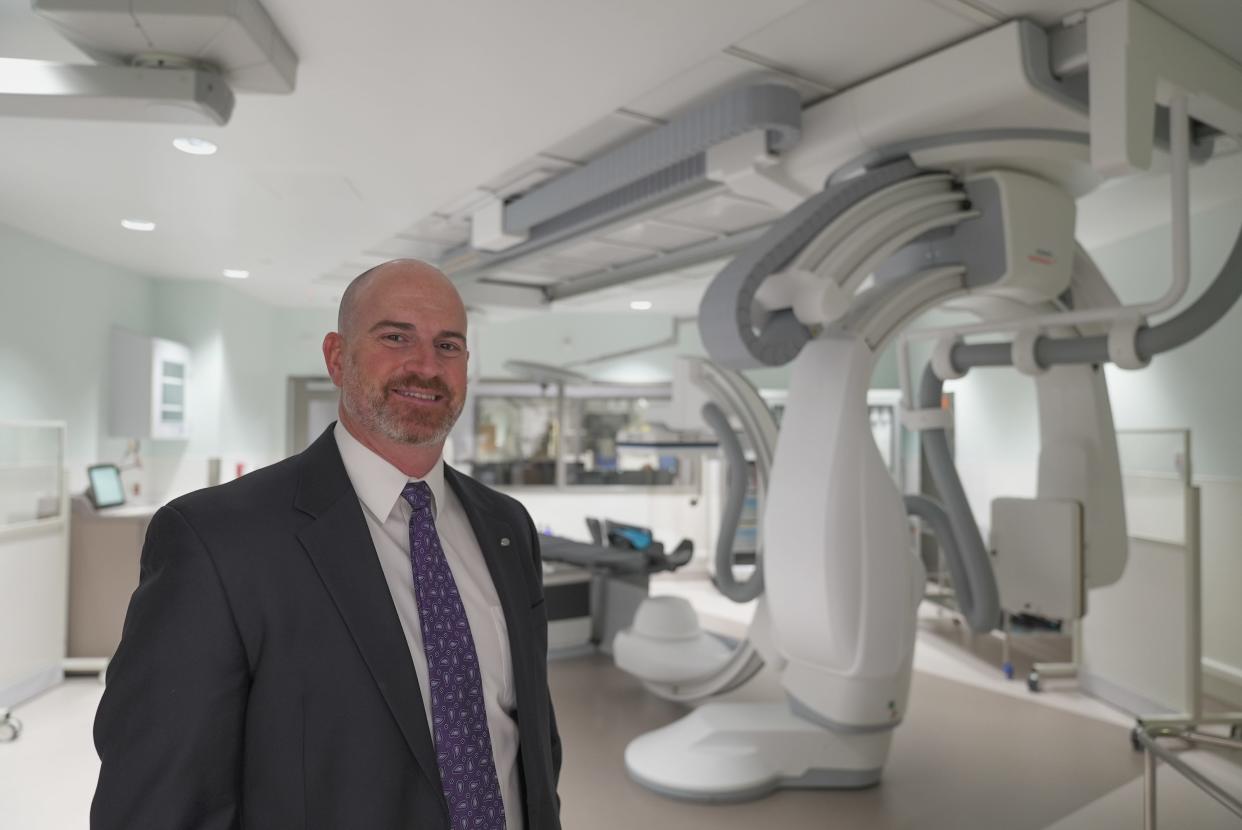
pixel 394 338
pixel 450 347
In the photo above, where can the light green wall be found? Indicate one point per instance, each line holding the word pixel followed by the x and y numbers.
pixel 1198 386
pixel 298 339
pixel 56 310
pixel 243 352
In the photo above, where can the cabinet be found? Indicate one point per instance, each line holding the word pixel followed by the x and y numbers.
pixel 148 387
pixel 105 547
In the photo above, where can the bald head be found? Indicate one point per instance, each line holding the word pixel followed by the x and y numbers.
pixel 395 272
pixel 399 356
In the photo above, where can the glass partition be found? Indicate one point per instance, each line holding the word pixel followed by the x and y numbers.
pixel 516 440
pixel 31 473
pixel 527 434
pixel 1155 452
pixel 1155 472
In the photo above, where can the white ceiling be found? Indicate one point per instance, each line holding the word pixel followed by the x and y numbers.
pixel 405 114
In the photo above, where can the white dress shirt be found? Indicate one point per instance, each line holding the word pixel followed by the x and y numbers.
pixel 379 485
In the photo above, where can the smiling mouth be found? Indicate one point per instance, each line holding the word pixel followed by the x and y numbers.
pixel 417 395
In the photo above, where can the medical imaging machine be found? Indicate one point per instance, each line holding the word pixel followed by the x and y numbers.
pixel 950 182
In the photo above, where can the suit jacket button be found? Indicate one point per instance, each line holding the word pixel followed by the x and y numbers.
pixel 504 541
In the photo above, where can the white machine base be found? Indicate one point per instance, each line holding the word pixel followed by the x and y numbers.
pixel 741 751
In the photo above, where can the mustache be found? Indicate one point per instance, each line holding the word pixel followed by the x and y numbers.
pixel 414 381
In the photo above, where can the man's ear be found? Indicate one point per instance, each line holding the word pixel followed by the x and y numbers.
pixel 333 350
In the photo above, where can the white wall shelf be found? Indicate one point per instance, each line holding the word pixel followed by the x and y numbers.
pixel 148 386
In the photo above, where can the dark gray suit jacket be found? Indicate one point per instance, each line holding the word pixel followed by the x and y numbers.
pixel 263 679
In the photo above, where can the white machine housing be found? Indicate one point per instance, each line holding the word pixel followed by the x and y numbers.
pixel 842 581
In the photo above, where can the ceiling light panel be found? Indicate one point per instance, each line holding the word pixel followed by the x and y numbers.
pixel 602 253
pixel 439 228
pixel 723 214
pixel 523 276
pixel 555 266
pixel 657 235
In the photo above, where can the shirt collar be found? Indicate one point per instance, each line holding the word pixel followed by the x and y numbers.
pixel 377 482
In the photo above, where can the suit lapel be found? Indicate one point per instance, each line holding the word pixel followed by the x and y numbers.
pixel 512 572
pixel 339 545
pixel 500 549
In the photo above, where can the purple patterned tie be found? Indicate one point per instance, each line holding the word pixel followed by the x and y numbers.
pixel 459 719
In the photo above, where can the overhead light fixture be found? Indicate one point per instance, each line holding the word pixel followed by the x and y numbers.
pixel 640 305
pixel 236 273
pixel 195 146
pixel 137 225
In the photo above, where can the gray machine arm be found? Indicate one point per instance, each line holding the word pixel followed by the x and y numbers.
pixel 735 501
pixel 973 581
pixel 956 530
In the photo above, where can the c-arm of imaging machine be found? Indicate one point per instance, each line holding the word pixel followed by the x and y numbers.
pixel 984 219
pixel 665 647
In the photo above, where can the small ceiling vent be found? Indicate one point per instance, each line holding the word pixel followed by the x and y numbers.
pixel 235 38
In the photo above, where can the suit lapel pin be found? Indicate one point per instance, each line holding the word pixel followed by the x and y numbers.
pixel 504 541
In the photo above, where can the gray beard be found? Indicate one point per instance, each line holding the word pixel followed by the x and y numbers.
pixel 375 414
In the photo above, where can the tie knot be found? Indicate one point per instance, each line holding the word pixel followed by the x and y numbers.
pixel 418 494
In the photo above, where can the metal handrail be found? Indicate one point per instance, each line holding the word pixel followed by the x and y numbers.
pixel 1153 750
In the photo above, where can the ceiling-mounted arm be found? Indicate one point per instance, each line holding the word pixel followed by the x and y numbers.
pixel 162 62
pixel 1138 59
pixel 660 165
pixel 43 89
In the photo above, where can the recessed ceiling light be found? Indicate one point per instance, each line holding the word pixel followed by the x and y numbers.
pixel 236 273
pixel 640 305
pixel 137 225
pixel 195 146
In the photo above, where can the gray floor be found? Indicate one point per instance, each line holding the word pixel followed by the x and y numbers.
pixel 976 754
pixel 964 758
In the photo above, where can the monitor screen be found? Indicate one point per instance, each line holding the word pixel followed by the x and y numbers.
pixel 627 536
pixel 106 488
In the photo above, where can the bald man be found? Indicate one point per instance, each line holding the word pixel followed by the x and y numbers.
pixel 354 637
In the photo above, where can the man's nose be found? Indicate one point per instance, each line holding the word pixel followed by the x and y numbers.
pixel 423 360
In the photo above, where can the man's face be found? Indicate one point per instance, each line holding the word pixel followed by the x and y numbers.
pixel 401 365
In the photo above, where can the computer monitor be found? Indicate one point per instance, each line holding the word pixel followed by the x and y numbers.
pixel 627 536
pixel 106 489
